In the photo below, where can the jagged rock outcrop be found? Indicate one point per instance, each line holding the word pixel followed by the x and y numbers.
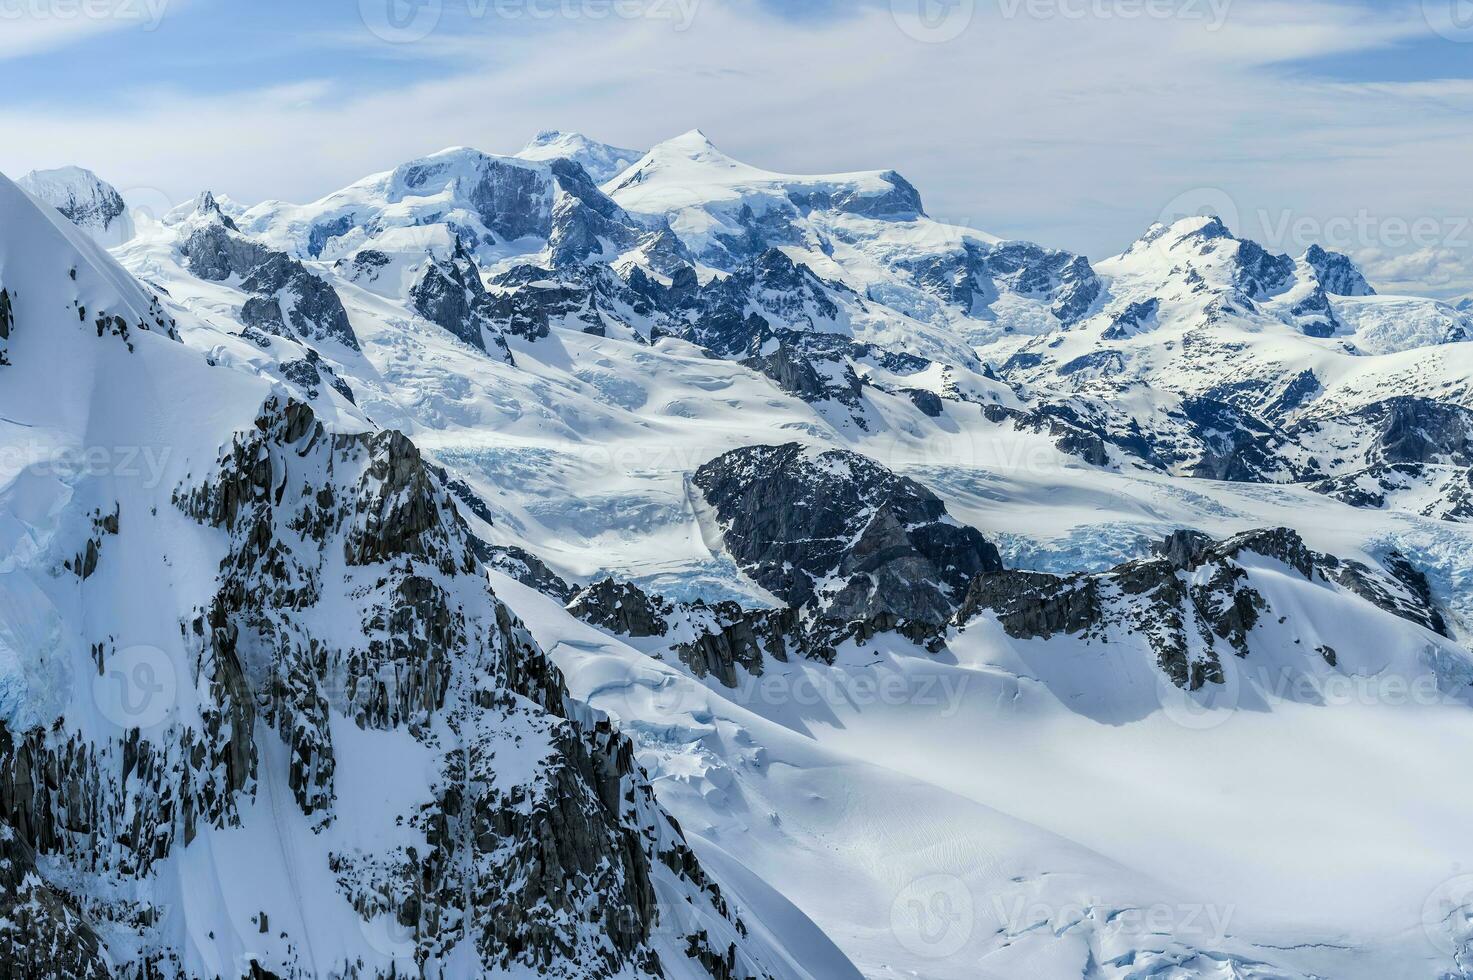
pixel 1406 451
pixel 717 639
pixel 972 277
pixel 533 841
pixel 42 934
pixel 450 293
pixel 1337 273
pixel 841 533
pixel 1192 601
pixel 7 323
pixel 622 607
pixel 528 569
pixel 288 299
pixel 1444 493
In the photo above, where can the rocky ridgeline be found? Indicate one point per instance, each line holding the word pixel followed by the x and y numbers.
pixel 1191 594
pixel 288 300
pixel 542 838
pixel 972 276
pixel 715 639
pixel 838 532
pixel 1406 446
pixel 450 293
pixel 854 550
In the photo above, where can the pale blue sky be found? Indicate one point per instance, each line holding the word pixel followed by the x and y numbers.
pixel 1070 122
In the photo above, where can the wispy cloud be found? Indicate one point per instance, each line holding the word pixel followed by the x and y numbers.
pixel 1076 131
pixel 30 27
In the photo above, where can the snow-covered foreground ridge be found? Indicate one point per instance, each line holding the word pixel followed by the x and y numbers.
pixel 596 563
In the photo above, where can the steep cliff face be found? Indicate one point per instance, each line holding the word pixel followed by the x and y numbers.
pixel 348 603
pixel 260 713
pixel 841 533
pixel 1195 600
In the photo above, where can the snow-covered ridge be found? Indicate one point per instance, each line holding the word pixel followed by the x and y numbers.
pixel 87 201
pixel 261 713
pixel 953 388
pixel 602 161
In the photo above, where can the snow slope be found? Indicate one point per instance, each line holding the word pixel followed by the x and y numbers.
pixel 258 709
pixel 1013 807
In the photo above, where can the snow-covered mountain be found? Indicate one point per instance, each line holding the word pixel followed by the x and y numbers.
pixel 601 161
pixel 87 201
pixel 262 713
pixel 974 609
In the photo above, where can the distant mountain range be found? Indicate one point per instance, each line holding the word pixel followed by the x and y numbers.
pixel 603 563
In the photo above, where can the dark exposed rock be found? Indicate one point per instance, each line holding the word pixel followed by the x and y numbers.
pixel 7 323
pixel 972 277
pixel 622 607
pixel 1132 320
pixel 1193 592
pixel 289 300
pixel 1410 451
pixel 528 569
pixel 1444 493
pixel 715 639
pixel 928 402
pixel 1316 316
pixel 450 293
pixel 1235 445
pixel 576 846
pixel 1337 273
pixel 1295 394
pixel 842 533
pixel 43 935
pixel 1101 363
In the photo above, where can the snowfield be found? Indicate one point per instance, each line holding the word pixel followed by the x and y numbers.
pixel 987 805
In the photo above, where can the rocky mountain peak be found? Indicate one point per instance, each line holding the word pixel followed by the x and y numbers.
pixel 87 201
pixel 1337 273
pixel 602 161
pixel 839 532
